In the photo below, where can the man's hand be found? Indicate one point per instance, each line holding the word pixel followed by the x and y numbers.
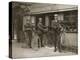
pixel 46 30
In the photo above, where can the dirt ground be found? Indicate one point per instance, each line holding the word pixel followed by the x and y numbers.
pixel 19 52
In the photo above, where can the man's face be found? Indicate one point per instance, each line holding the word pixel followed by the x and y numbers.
pixel 40 19
pixel 55 17
pixel 27 21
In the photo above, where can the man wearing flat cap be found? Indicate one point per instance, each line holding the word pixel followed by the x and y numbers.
pixel 41 30
pixel 56 27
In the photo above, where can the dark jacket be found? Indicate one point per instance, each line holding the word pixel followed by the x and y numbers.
pixel 41 28
pixel 57 27
pixel 28 27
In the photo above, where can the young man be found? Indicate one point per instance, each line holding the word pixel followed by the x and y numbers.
pixel 28 33
pixel 41 29
pixel 56 27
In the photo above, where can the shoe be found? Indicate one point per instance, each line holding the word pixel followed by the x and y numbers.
pixel 55 50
